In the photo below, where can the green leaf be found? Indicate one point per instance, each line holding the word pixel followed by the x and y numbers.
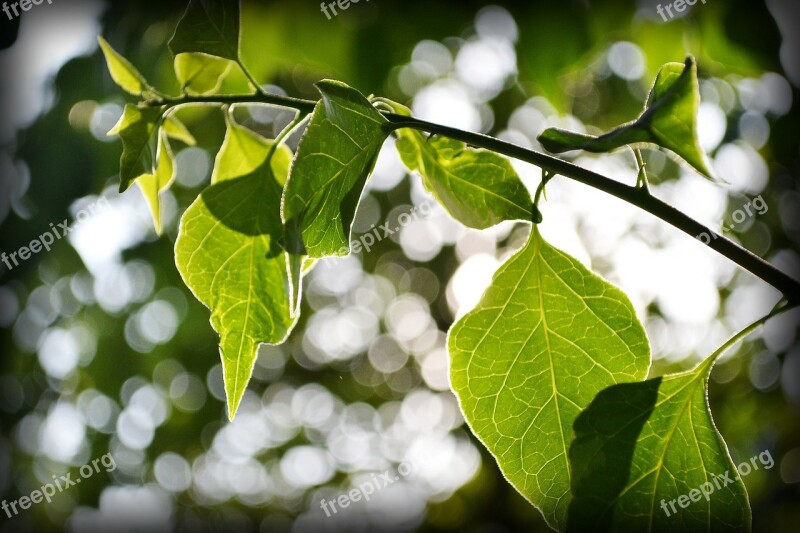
pixel 209 27
pixel 640 446
pixel 546 337
pixel 331 166
pixel 201 74
pixel 175 129
pixel 137 128
pixel 669 120
pixel 479 188
pixel 243 151
pixel 228 254
pixel 122 71
pixel 159 180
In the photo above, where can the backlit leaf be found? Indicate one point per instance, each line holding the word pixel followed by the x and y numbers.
pixel 209 27
pixel 228 254
pixel 669 120
pixel 546 337
pixel 331 166
pixel 479 188
pixel 648 457
pixel 137 129
pixel 122 71
pixel 175 129
pixel 160 179
pixel 243 151
pixel 201 73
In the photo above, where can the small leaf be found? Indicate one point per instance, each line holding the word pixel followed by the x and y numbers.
pixel 201 74
pixel 243 151
pixel 175 129
pixel 160 180
pixel 228 254
pixel 137 129
pixel 669 120
pixel 546 337
pixel 674 102
pixel 478 188
pixel 331 166
pixel 640 446
pixel 209 27
pixel 122 71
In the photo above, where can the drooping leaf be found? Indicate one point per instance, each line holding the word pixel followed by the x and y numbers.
pixel 228 254
pixel 201 74
pixel 122 71
pixel 648 457
pixel 159 180
pixel 175 129
pixel 669 120
pixel 479 188
pixel 243 151
pixel 331 166
pixel 546 337
pixel 137 128
pixel 209 27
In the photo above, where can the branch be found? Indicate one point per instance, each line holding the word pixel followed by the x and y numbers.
pixel 637 196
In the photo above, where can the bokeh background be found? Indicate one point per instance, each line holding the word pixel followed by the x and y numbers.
pixel 104 349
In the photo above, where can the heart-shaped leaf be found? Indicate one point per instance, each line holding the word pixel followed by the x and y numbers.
pixel 546 337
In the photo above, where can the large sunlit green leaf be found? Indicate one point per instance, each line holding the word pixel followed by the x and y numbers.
pixel 669 120
pixel 208 27
pixel 331 166
pixel 152 184
pixel 648 457
pixel 201 73
pixel 229 255
pixel 546 337
pixel 122 71
pixel 478 188
pixel 137 128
